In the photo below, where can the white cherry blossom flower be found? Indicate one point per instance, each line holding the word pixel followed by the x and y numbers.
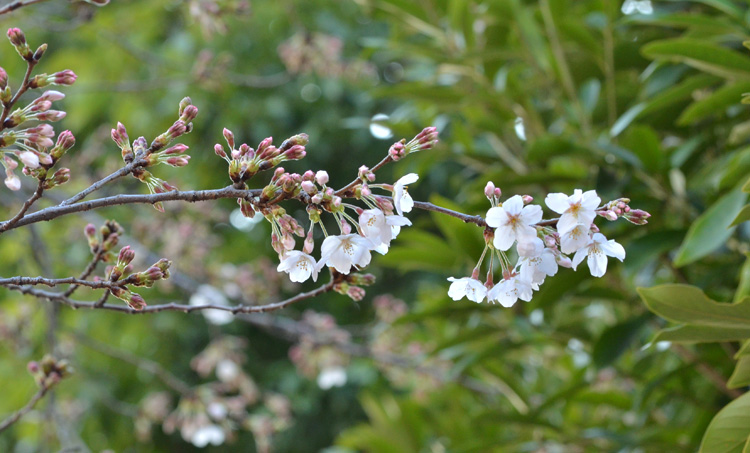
pixel 597 251
pixel 299 265
pixel 529 246
pixel 381 229
pixel 468 287
pixel 507 292
pixel 575 238
pixel 13 182
pixel 579 208
pixel 536 269
pixel 402 201
pixel 343 252
pixel 512 221
pixel 29 159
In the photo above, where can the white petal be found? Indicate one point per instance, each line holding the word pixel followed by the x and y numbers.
pixel 531 214
pixel 597 264
pixel 407 203
pixel 558 202
pixel 457 289
pixel 579 256
pixel 567 222
pixel 613 249
pixel 410 178
pixel 590 200
pixel 513 205
pixel 575 239
pixel 504 237
pixel 496 216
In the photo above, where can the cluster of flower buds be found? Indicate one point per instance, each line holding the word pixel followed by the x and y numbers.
pixel 49 371
pixel 541 246
pixel 157 152
pixel 103 243
pixel 245 162
pixel 33 146
pixel 620 208
pixel 351 286
pixel 122 270
pixel 426 139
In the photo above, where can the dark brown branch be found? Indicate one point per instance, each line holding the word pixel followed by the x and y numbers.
pixel 27 204
pixel 189 196
pixel 5 424
pixel 52 282
pixel 60 298
pixel 10 7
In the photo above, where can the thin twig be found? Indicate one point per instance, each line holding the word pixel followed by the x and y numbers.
pixel 347 190
pixel 60 298
pixel 87 271
pixel 27 204
pixel 5 424
pixel 52 282
pixel 127 169
pixel 10 7
pixel 706 370
pixel 24 86
pixel 191 196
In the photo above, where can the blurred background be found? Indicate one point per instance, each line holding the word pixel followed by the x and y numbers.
pixel 635 99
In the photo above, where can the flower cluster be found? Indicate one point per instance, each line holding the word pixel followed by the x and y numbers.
pixel 541 246
pixel 142 155
pixel 362 230
pixel 32 144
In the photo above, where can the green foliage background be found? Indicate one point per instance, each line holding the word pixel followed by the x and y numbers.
pixel 645 106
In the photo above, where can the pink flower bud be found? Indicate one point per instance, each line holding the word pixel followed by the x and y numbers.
pixel 356 293
pixel 90 230
pixel 229 137
pixel 136 302
pixel 219 150
pixel 309 187
pixel 564 261
pixel 309 175
pixel 295 140
pixel 51 115
pixel 365 190
pixel 397 151
pixel 178 161
pixel 40 52
pixel 345 227
pixel 126 256
pixel 29 159
pixel 177 129
pixel 498 192
pixel 13 182
pixel 321 177
pixel 296 152
pixel 527 199
pixel 33 367
pixel 489 189
pixel 176 149
pixel 3 79
pixel 51 95
pixel 18 39
pixel 189 114
pixel 66 77
pixel 317 198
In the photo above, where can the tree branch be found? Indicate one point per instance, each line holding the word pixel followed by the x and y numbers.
pixel 62 299
pixel 191 196
pixel 5 424
pixel 10 7
pixel 127 169
pixel 52 282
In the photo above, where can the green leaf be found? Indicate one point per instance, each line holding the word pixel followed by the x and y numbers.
pixel 688 304
pixel 741 375
pixel 729 430
pixel 644 142
pixel 701 334
pixel 746 187
pixel 743 289
pixel 716 103
pixel 712 229
pixel 743 216
pixel 702 55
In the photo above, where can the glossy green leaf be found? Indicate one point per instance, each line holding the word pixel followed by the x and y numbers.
pixel 688 304
pixel 741 375
pixel 729 431
pixel 614 341
pixel 743 216
pixel 711 230
pixel 702 334
pixel 702 55
pixel 716 103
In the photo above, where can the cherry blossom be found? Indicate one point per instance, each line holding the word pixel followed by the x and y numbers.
pixel 512 221
pixel 343 252
pixel 299 265
pixel 575 238
pixel 596 250
pixel 536 269
pixel 507 292
pixel 402 201
pixel 579 208
pixel 380 229
pixel 468 287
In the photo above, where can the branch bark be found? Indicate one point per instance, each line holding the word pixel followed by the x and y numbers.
pixel 8 422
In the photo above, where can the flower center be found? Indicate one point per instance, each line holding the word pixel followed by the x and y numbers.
pixel 348 248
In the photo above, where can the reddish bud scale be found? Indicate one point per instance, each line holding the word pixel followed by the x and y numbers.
pixel 66 77
pixel 229 137
pixel 3 78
